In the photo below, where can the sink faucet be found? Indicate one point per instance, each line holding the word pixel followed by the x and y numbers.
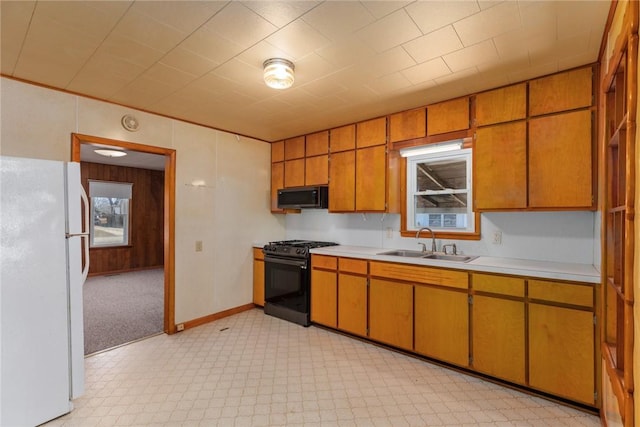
pixel 433 239
pixel 452 246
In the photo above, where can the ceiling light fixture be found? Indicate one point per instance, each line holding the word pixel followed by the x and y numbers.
pixel 110 153
pixel 278 73
pixel 431 148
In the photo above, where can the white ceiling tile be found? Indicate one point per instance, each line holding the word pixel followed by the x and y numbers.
pixel 387 62
pixel 510 45
pixel 312 67
pixel 149 32
pixel 571 20
pixel 298 39
pixel 432 15
pixel 210 46
pixel 258 53
pixel 390 83
pixel 540 69
pixel 189 62
pixel 167 75
pixel 240 25
pixel 457 76
pixel 426 71
pixel 142 92
pixel 14 22
pixel 380 9
pixel 488 23
pixel 347 52
pixel 97 18
pixel 390 31
pixel 281 13
pixel 239 72
pixel 104 75
pixel 185 16
pixel 434 44
pixel 335 20
pixel 472 56
pixel 117 46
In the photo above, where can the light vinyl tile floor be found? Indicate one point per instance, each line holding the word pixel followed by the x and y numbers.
pixel 251 369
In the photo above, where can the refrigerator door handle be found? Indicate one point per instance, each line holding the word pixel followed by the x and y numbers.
pixel 85 233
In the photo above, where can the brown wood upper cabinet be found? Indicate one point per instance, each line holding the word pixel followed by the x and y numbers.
pixel 294 148
pixel 448 116
pixel 408 125
pixel 561 92
pixel 501 105
pixel 342 138
pixel 372 132
pixel 316 171
pixel 317 143
pixel 277 151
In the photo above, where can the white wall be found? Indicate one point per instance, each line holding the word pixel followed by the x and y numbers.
pixel 544 236
pixel 228 214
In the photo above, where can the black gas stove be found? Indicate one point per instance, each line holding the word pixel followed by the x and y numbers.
pixel 287 279
pixel 293 248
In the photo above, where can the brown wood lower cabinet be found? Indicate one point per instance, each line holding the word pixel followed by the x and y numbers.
pixel 391 313
pixel 442 324
pixel 536 333
pixel 561 352
pixel 324 298
pixel 498 338
pixel 258 277
pixel 352 304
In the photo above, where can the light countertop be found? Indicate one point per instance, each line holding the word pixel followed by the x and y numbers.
pixel 518 267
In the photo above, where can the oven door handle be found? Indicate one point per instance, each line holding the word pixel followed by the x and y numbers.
pixel 298 263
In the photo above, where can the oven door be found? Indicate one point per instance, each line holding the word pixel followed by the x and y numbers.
pixel 286 287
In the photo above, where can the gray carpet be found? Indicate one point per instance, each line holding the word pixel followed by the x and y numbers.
pixel 122 308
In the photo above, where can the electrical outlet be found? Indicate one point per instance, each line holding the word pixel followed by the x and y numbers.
pixel 389 232
pixel 180 327
pixel 497 237
pixel 198 245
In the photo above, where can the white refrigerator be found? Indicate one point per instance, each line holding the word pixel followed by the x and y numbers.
pixel 43 268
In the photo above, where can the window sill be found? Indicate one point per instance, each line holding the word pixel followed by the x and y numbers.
pixel 442 235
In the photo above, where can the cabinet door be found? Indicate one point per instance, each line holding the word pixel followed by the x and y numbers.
pixel 501 105
pixel 498 338
pixel 342 181
pixel 408 125
pixel 391 313
pixel 277 151
pixel 294 173
pixel 277 182
pixel 372 132
pixel 316 170
pixel 352 304
pixel 560 161
pixel 258 282
pixel 500 167
pixel 442 324
pixel 342 138
pixel 371 183
pixel 317 144
pixel 324 298
pixel 561 352
pixel 559 92
pixel 294 148
pixel 448 116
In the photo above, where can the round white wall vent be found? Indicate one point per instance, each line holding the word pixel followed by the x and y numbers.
pixel 130 123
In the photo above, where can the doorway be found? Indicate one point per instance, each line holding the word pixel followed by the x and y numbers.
pixel 79 140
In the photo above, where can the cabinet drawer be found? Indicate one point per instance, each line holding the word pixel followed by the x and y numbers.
pixel 498 284
pixel 323 261
pixel 418 274
pixel 257 253
pixel 350 265
pixel 561 292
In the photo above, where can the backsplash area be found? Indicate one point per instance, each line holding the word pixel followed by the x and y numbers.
pixel 544 236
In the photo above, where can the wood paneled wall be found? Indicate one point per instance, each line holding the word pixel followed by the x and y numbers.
pixel 145 249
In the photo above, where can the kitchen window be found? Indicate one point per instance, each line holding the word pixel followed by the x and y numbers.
pixel 109 225
pixel 439 189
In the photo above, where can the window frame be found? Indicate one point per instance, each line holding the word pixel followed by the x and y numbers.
pixel 126 226
pixel 406 195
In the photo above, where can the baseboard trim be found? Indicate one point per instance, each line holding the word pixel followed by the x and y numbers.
pixel 216 316
pixel 127 270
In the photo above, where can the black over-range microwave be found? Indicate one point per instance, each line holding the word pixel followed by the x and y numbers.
pixel 316 197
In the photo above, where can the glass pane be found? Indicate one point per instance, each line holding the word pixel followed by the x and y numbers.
pixel 446 211
pixel 440 174
pixel 110 221
pixel 441 201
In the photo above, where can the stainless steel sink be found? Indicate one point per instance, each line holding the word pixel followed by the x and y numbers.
pixel 404 252
pixel 457 258
pixel 419 254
